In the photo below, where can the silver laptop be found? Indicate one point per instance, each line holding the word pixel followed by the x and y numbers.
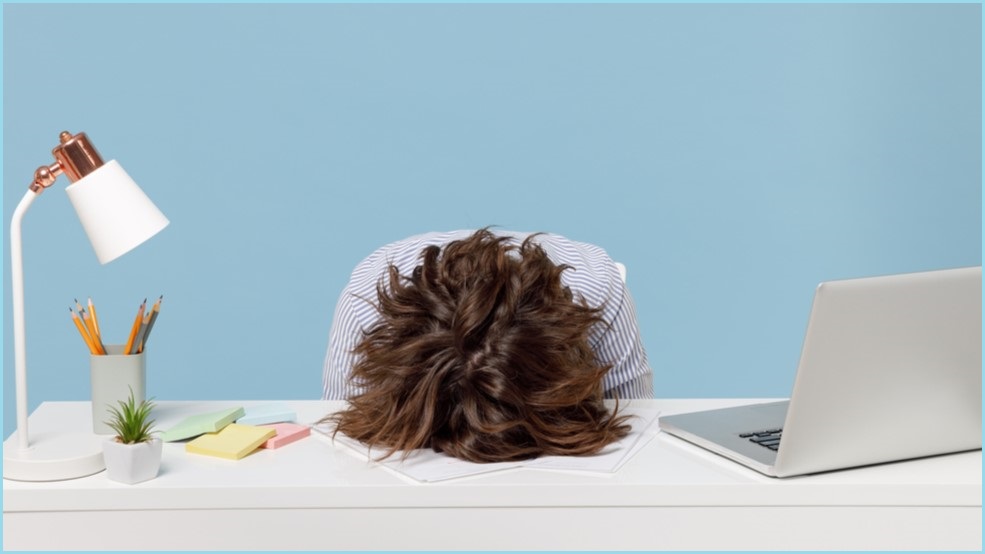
pixel 890 369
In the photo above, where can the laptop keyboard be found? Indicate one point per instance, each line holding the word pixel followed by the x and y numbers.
pixel 769 438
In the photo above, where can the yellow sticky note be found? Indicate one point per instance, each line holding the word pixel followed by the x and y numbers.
pixel 233 442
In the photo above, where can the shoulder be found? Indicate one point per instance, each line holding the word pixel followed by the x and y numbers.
pixel 593 273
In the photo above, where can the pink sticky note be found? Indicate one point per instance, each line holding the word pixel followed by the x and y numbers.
pixel 286 434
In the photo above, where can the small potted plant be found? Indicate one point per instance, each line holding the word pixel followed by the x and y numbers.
pixel 133 455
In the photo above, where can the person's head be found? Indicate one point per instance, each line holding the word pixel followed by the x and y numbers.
pixel 481 353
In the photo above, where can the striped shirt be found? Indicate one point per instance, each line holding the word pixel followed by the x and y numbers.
pixel 594 276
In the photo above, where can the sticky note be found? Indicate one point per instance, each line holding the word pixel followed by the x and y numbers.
pixel 202 423
pixel 233 442
pixel 286 434
pixel 267 413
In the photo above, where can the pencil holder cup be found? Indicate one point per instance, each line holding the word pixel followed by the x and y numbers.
pixel 112 376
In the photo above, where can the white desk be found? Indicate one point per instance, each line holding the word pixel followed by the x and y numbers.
pixel 314 495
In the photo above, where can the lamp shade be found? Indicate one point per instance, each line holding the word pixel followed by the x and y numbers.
pixel 116 215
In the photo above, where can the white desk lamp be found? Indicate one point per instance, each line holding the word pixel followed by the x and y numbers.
pixel 117 216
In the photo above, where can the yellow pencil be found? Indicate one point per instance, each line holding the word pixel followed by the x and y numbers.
pixel 87 323
pixel 83 332
pixel 136 327
pixel 95 320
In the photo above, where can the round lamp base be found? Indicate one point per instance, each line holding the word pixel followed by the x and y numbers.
pixel 53 457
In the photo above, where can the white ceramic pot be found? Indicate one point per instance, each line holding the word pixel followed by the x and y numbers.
pixel 132 463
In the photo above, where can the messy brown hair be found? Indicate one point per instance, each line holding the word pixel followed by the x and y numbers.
pixel 481 353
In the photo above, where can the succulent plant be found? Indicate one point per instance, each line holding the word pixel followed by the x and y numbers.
pixel 131 421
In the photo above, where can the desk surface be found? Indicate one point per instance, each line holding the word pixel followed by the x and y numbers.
pixel 315 474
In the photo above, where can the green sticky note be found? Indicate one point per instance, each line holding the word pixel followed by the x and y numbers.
pixel 196 425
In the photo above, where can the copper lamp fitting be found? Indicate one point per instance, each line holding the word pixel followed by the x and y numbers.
pixel 75 156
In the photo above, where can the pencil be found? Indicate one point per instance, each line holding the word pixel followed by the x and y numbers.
pixel 87 323
pixel 83 332
pixel 150 325
pixel 96 341
pixel 139 339
pixel 136 327
pixel 95 320
pixel 85 320
pixel 81 311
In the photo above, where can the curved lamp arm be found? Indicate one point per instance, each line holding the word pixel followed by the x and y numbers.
pixel 44 177
pixel 17 288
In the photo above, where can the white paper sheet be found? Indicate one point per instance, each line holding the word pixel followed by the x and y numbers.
pixel 427 466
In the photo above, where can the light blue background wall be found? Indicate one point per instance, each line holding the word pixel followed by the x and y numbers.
pixel 732 156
